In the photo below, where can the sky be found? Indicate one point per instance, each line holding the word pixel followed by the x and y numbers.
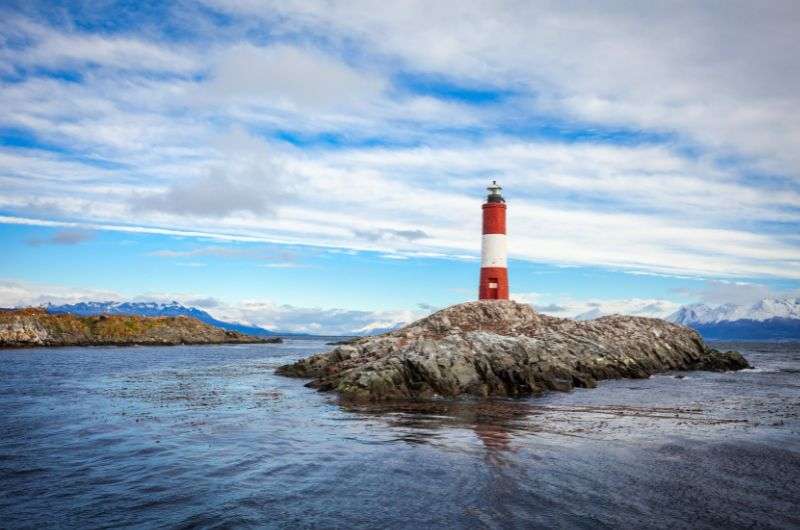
pixel 320 166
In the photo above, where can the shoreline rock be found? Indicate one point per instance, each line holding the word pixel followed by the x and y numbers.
pixel 34 327
pixel 343 342
pixel 504 348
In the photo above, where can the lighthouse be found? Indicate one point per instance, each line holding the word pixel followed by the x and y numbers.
pixel 494 270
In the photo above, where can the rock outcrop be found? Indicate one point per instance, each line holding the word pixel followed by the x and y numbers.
pixel 36 327
pixel 505 348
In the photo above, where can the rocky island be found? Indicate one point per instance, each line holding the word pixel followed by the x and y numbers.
pixel 505 348
pixel 30 327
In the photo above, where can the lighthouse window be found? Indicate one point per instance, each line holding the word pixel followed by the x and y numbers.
pixel 492 285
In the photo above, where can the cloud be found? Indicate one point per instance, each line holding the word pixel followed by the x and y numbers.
pixel 317 320
pixel 263 313
pixel 21 294
pixel 218 251
pixel 205 303
pixel 339 321
pixel 285 75
pixel 216 194
pixel 716 292
pixel 550 308
pixel 245 178
pixel 284 265
pixel 588 308
pixel 609 138
pixel 52 49
pixel 662 67
pixel 387 234
pixel 64 237
pixel 663 230
pixel 274 258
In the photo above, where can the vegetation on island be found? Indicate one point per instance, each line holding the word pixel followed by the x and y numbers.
pixel 36 327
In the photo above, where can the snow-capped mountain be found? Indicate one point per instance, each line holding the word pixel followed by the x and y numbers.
pixel 150 309
pixel 770 318
pixel 760 311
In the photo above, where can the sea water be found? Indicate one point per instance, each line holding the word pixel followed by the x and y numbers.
pixel 209 436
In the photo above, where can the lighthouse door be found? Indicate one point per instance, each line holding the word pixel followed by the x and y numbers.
pixel 493 283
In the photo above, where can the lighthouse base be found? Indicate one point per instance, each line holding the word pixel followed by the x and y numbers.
pixel 493 283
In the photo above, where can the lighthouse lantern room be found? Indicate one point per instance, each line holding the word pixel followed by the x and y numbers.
pixel 494 270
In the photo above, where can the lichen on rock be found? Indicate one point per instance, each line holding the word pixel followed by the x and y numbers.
pixel 505 348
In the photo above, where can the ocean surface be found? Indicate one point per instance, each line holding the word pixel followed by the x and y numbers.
pixel 209 437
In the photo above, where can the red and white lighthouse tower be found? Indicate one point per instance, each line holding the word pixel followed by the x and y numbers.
pixel 494 270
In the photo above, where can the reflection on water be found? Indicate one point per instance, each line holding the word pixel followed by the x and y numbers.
pixel 209 436
pixel 492 421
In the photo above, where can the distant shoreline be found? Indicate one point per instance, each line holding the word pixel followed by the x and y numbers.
pixel 35 327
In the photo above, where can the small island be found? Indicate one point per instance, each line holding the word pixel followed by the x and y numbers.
pixel 32 327
pixel 505 348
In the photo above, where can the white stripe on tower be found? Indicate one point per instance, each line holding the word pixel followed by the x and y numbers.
pixel 493 282
pixel 494 249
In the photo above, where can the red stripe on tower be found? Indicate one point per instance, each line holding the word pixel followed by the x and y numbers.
pixel 494 270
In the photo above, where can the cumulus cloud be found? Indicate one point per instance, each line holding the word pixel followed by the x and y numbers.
pixel 216 194
pixel 244 177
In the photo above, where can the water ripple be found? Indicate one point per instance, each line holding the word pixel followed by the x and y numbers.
pixel 209 437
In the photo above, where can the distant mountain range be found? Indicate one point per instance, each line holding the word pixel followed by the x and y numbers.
pixel 767 319
pixel 153 309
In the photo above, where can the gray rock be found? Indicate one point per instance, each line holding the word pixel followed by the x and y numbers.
pixel 505 348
